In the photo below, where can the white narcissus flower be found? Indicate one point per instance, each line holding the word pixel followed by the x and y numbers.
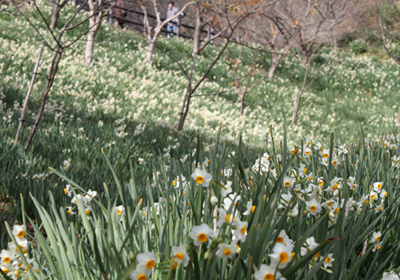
pixel 201 177
pixel 378 187
pixel 19 231
pixel 377 246
pixel 390 276
pixel 147 259
pixel 121 210
pixel 281 255
pixel 307 152
pixel 91 193
pixel 283 238
pixel 140 273
pixel 6 256
pixel 181 255
pixel 313 207
pixel 250 208
pixel 6 268
pixel 267 273
pixel 325 153
pixel 328 260
pixel 376 237
pixel 200 234
pixel 240 232
pixel 227 189
pixel 309 246
pixel 226 250
pixel 70 210
pixel 67 190
pixel 288 182
pixel 373 195
pixel 232 198
pixel 284 201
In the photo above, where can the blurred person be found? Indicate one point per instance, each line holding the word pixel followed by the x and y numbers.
pixel 120 13
pixel 172 25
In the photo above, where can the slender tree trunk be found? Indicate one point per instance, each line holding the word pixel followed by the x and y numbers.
pixel 241 105
pixel 28 94
pixel 55 15
pixel 296 107
pixel 276 60
pixel 89 47
pixel 196 46
pixel 49 83
pixel 149 52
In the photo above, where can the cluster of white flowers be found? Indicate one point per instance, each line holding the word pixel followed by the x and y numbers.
pixel 11 262
pixel 86 200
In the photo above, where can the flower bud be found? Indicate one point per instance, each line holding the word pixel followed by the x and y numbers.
pixel 214 200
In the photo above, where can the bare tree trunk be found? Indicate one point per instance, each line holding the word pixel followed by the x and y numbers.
pixel 28 94
pixel 50 80
pixel 275 62
pixel 296 107
pixel 55 15
pixel 89 47
pixel 149 52
pixel 241 105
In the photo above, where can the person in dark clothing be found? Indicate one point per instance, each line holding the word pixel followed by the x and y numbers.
pixel 172 26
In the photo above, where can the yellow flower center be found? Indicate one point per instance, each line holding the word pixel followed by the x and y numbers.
pixel 183 193
pixel 199 180
pixel 292 255
pixel 365 201
pixel 174 183
pixel 65 191
pixel 87 212
pixel 326 155
pixel 119 212
pixel 313 208
pixel 228 218
pixel 227 252
pixel 307 153
pixel 373 196
pixel 283 257
pixel 305 170
pixel 316 255
pixel 320 183
pixel 21 234
pixel 253 209
pixel 328 259
pixel 150 264
pixel 202 237
pixel 335 187
pixel 378 248
pixel 5 270
pixel 310 178
pixel 175 266
pixel 179 256
pixel 336 210
pixel 69 211
pixel 243 230
pixel 144 213
pixel 379 186
pixel 269 276
pixel 287 184
pixel 7 259
pixel 142 277
pixel 329 203
pixel 379 209
pixel 279 239
pixel 377 238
